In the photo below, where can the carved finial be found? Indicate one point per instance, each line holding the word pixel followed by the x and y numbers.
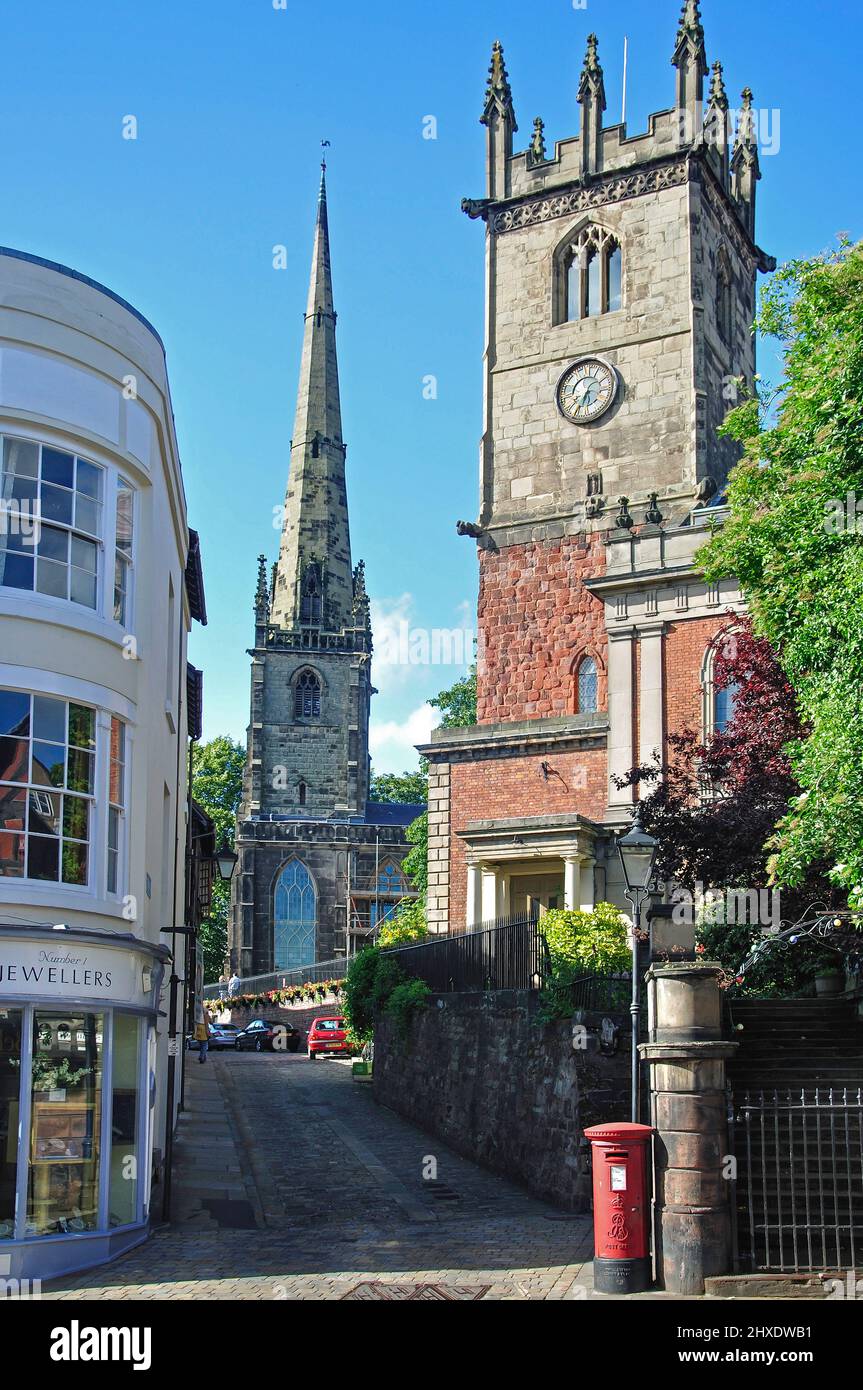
pixel 745 138
pixel 718 97
pixel 537 144
pixel 623 519
pixel 361 608
pixel 498 93
pixel 653 516
pixel 690 30
pixel 591 83
pixel 262 598
pixel 745 168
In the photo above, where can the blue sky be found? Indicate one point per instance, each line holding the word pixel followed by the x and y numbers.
pixel 232 98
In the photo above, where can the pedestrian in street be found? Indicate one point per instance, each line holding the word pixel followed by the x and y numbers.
pixel 234 986
pixel 202 1033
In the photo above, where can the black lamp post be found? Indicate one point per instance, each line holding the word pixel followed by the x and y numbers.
pixel 637 852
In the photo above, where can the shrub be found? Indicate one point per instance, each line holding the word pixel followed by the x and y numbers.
pixel 406 1000
pixel 581 943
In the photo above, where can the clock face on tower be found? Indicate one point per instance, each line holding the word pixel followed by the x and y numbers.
pixel 586 390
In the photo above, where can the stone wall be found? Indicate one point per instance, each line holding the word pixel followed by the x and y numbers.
pixel 484 1074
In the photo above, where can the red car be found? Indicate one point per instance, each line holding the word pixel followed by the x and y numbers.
pixel 328 1036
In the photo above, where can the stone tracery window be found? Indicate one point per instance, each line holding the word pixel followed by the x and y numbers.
pixel 295 911
pixel 307 696
pixel 311 599
pixel 590 276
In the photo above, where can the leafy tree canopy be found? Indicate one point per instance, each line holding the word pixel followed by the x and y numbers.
pixel 217 785
pixel 794 543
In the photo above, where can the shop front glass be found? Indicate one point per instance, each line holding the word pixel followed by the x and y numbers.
pixel 10 1084
pixel 125 1073
pixel 65 1123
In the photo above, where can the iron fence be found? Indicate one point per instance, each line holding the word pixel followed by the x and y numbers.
pixel 602 993
pixel 799 1185
pixel 506 954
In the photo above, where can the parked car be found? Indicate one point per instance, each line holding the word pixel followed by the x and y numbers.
pixel 328 1037
pixel 221 1035
pixel 262 1035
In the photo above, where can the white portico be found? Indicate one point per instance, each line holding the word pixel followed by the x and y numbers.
pixel 528 865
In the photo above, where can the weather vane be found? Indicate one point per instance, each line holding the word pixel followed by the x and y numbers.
pixel 324 146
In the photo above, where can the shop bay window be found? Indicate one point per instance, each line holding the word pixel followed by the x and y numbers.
pixel 52 751
pixel 59 513
pixel 62 494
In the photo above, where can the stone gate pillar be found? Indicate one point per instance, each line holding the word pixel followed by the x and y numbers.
pixel 687 1054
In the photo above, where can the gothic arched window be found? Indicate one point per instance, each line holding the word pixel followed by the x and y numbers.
pixel 589 276
pixel 587 686
pixel 307 696
pixel 295 911
pixel 718 702
pixel 311 598
pixel 301 793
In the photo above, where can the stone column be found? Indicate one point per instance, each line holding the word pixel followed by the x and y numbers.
pixel 489 894
pixel 620 744
pixel 651 715
pixel 474 903
pixel 571 882
pixel 687 1055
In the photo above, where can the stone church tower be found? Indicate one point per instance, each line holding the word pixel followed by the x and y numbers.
pixel 319 863
pixel 620 274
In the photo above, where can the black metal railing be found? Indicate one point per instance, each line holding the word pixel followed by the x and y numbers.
pixel 602 993
pixel 505 954
pixel 799 1192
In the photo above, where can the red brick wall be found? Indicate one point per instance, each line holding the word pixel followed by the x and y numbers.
pixel 535 618
pixel 498 788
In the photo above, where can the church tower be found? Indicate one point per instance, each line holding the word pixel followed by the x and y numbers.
pixel 620 274
pixel 306 832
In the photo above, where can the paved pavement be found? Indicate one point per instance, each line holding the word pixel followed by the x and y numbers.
pixel 292 1183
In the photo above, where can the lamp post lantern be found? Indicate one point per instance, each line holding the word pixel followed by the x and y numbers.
pixel 637 852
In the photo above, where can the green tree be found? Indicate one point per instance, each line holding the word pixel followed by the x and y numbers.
pixel 458 709
pixel 217 785
pixel 409 787
pixel 794 542
pixel 458 704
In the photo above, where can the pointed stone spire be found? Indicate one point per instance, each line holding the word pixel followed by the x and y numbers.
pixel 591 99
pixel 315 551
pixel 716 127
pixel 690 59
pixel 745 167
pixel 498 116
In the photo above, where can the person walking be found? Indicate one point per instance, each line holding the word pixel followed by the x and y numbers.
pixel 202 1033
pixel 223 986
pixel 234 986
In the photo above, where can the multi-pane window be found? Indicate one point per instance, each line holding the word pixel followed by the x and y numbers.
pixel 307 696
pixel 47 783
pixel 587 687
pixel 592 276
pixel 116 801
pixel 63 494
pixel 123 550
pixel 311 600
pixel 295 910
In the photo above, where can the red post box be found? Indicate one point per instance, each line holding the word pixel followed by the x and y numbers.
pixel 621 1211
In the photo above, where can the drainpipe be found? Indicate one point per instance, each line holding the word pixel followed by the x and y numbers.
pixel 170 1089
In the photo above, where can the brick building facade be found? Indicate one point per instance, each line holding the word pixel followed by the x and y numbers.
pixel 319 863
pixel 620 275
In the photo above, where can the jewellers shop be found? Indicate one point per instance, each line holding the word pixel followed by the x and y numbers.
pixel 78 1013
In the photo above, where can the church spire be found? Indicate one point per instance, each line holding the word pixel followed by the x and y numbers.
pixel 690 59
pixel 591 99
pixel 314 578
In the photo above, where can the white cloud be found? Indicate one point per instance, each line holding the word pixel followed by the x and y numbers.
pixel 392 742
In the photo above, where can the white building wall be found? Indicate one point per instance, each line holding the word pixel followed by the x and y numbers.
pixel 82 372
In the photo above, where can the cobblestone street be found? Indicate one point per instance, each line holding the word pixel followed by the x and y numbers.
pixel 291 1183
